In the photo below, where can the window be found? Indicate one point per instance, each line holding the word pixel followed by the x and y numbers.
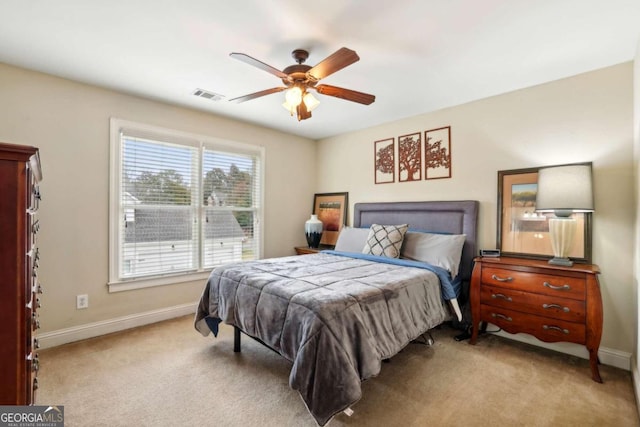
pixel 180 205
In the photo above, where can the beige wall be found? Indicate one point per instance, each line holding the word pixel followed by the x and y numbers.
pixel 582 118
pixel 636 257
pixel 69 122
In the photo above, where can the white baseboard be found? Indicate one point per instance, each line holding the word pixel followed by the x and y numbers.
pixel 91 330
pixel 611 357
pixel 608 356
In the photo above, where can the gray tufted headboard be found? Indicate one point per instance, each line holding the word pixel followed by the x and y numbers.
pixel 454 217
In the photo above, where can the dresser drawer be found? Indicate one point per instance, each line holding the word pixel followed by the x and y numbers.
pixel 34 387
pixel 553 303
pixel 543 328
pixel 555 307
pixel 33 366
pixel 548 284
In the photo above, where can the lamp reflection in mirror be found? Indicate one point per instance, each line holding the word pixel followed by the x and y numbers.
pixel 564 190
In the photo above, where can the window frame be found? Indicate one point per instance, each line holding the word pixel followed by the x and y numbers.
pixel 201 142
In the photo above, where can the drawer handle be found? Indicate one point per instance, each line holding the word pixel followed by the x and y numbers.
pixel 35 322
pixel 565 309
pixel 504 297
pixel 37 305
pixel 35 362
pixel 557 288
pixel 34 253
pixel 501 279
pixel 555 328
pixel 502 316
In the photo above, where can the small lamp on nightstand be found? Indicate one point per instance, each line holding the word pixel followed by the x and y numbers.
pixel 564 190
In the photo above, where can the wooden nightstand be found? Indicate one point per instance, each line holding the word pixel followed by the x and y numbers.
pixel 305 250
pixel 552 303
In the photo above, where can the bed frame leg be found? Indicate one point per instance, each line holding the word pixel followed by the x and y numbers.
pixel 429 341
pixel 236 339
pixel 426 339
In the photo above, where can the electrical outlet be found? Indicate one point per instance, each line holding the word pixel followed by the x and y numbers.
pixel 82 301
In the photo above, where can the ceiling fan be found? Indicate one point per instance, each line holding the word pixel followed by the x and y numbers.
pixel 299 78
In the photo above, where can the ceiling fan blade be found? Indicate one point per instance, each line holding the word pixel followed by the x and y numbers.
pixel 349 95
pixel 335 62
pixel 258 94
pixel 259 64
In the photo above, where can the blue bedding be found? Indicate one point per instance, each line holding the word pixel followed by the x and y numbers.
pixel 450 287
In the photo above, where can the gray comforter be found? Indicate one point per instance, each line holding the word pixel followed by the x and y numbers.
pixel 334 317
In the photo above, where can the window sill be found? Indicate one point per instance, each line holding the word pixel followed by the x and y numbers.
pixel 128 285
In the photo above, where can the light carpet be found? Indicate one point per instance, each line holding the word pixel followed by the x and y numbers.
pixel 167 374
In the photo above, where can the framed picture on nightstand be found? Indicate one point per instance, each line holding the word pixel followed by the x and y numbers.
pixel 331 209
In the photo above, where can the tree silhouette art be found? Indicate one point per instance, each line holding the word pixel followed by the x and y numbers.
pixel 384 159
pixel 437 155
pixel 409 157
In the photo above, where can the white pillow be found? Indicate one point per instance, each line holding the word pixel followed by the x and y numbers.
pixel 442 250
pixel 385 240
pixel 352 239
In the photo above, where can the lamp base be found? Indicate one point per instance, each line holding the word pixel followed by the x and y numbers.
pixel 562 230
pixel 565 262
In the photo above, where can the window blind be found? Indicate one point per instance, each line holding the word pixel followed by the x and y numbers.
pixel 159 195
pixel 184 205
pixel 230 196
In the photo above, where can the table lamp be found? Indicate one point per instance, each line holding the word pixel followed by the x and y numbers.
pixel 564 190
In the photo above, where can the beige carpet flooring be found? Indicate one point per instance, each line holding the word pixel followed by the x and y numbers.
pixel 167 374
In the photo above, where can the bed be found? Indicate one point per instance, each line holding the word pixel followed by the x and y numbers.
pixel 337 315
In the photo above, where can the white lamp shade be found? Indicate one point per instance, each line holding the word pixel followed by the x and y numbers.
pixel 565 188
pixel 310 101
pixel 290 108
pixel 293 96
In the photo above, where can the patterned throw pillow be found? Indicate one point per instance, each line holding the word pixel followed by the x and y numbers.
pixel 385 240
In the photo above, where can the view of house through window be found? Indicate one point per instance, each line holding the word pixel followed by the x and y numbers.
pixel 184 205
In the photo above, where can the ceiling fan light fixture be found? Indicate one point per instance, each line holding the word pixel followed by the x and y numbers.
pixel 290 108
pixel 310 101
pixel 293 96
pixel 303 113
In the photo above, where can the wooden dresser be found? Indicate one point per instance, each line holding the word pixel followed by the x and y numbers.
pixel 19 287
pixel 552 303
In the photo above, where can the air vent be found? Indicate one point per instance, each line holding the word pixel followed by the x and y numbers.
pixel 208 95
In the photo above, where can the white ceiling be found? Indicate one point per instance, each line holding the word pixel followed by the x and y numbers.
pixel 416 56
